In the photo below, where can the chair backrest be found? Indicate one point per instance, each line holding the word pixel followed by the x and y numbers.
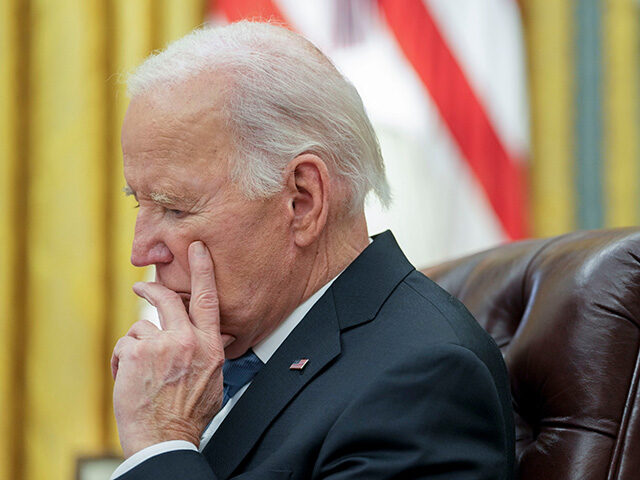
pixel 565 312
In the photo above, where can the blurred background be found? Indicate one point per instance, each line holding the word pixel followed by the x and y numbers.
pixel 498 120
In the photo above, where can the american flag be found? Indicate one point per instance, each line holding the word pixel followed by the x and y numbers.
pixel 299 364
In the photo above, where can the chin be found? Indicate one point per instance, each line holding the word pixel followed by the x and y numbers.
pixel 235 350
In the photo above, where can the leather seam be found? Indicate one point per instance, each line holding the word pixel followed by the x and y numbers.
pixel 629 405
pixel 557 424
pixel 525 278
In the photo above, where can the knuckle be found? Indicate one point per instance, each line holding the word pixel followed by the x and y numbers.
pixel 134 328
pixel 162 349
pixel 145 350
pixel 188 341
pixel 137 351
pixel 120 346
pixel 207 300
pixel 124 349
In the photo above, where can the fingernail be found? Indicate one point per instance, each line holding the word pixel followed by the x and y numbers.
pixel 199 248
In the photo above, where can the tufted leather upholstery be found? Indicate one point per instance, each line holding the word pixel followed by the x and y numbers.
pixel 565 312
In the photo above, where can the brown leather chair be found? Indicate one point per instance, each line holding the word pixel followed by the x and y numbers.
pixel 565 312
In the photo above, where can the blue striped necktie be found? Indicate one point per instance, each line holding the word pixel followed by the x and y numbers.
pixel 238 372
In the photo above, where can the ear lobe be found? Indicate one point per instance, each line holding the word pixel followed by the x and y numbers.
pixel 308 186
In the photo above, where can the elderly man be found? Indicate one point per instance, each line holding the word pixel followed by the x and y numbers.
pixel 292 345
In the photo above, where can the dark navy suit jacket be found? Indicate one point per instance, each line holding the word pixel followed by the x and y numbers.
pixel 401 383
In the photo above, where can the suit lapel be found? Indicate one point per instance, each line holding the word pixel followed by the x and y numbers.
pixel 354 298
pixel 317 338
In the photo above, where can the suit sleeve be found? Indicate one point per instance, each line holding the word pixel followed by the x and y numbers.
pixel 433 417
pixel 172 465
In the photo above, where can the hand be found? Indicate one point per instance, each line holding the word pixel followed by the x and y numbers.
pixel 168 383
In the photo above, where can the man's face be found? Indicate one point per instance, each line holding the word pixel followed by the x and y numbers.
pixel 175 162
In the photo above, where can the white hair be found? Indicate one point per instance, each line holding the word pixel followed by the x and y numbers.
pixel 282 97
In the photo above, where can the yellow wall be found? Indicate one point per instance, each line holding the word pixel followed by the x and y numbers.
pixel 65 227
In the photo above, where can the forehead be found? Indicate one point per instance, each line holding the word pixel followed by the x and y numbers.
pixel 174 134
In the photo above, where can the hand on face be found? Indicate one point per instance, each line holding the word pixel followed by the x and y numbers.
pixel 168 383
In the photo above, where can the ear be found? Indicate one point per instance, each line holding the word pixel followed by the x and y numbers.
pixel 307 187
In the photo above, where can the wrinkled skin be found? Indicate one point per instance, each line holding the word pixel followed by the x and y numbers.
pixel 170 380
pixel 259 260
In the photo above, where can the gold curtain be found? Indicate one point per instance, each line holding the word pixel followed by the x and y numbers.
pixel 65 229
pixel 553 47
pixel 621 84
pixel 548 30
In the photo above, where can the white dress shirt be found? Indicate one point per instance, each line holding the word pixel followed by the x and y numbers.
pixel 263 350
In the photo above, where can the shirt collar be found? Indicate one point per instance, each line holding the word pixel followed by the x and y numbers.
pixel 268 346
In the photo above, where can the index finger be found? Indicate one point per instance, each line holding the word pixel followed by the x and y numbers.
pixel 203 306
pixel 171 311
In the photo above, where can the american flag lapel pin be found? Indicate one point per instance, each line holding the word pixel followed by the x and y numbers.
pixel 299 364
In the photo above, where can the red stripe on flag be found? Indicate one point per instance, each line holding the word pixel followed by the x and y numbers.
pixel 258 10
pixel 501 176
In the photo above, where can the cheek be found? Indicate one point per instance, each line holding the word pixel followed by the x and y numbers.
pixel 246 241
pixel 267 237
pixel 243 251
pixel 178 241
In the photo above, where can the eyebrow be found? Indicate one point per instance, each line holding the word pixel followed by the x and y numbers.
pixel 165 198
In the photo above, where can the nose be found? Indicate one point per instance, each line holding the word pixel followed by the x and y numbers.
pixel 148 247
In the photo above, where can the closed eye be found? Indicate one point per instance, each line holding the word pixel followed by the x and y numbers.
pixel 177 213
